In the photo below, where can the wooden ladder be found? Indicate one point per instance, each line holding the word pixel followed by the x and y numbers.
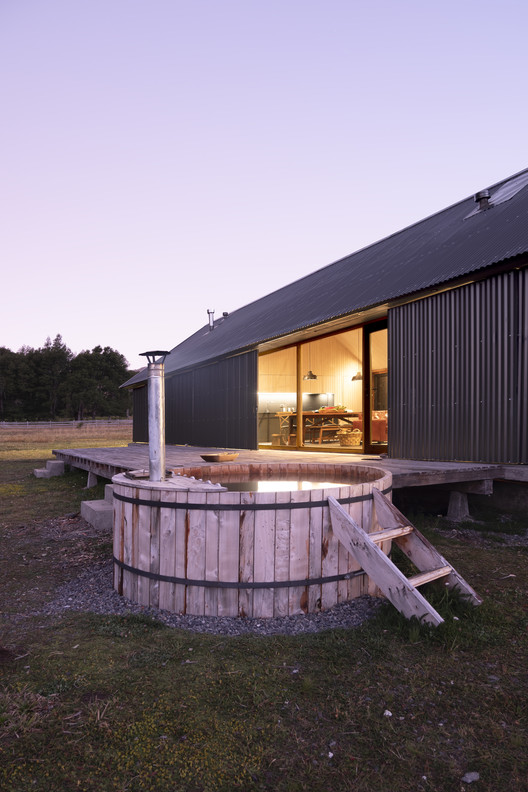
pixel 398 589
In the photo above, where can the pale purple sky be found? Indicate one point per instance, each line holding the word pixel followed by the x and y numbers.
pixel 160 158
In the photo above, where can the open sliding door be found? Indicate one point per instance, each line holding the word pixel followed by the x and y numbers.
pixel 375 391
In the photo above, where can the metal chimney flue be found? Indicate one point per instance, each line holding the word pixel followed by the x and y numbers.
pixel 482 198
pixel 210 314
pixel 156 413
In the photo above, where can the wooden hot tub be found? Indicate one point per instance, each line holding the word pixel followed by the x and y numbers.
pixel 191 547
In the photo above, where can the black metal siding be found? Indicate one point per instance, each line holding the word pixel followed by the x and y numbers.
pixel 214 405
pixel 140 407
pixel 458 373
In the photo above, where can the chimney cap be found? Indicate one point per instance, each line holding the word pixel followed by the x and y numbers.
pixel 154 354
pixel 482 199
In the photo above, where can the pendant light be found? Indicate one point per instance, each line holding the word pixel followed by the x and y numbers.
pixel 310 375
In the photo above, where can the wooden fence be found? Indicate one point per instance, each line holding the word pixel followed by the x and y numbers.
pixel 64 424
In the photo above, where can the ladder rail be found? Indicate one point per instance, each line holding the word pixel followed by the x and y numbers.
pixel 418 548
pixel 392 582
pixel 366 548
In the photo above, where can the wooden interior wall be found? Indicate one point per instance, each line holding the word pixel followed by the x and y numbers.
pixel 379 350
pixel 276 372
pixel 335 360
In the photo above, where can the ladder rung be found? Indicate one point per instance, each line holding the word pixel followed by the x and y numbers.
pixel 432 574
pixel 390 533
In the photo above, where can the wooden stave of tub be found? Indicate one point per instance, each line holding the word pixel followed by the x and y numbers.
pixel 279 545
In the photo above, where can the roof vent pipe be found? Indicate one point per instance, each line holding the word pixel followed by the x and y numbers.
pixel 211 319
pixel 482 199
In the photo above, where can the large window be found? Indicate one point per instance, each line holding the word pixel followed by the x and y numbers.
pixel 328 378
pixel 277 394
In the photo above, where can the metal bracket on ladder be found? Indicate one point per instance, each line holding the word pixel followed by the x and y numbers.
pixel 398 589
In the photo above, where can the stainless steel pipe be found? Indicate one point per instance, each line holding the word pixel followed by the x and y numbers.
pixel 156 414
pixel 156 421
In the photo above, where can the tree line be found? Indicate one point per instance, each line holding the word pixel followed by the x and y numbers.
pixel 52 383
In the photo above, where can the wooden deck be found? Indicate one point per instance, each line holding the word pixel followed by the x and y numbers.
pixel 107 462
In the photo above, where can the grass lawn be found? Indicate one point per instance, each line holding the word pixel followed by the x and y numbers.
pixel 98 702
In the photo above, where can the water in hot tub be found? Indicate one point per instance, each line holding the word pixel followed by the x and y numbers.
pixel 279 485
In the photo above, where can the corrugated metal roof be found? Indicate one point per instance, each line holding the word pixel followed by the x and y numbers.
pixel 450 244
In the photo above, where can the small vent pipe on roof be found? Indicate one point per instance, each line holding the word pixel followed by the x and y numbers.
pixel 211 319
pixel 156 413
pixel 482 199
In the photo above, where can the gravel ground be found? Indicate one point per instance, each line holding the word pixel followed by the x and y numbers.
pixel 92 591
pixel 75 549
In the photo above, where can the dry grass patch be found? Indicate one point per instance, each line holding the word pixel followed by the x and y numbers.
pixel 22 712
pixel 38 442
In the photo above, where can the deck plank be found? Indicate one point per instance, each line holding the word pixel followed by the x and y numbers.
pixel 107 462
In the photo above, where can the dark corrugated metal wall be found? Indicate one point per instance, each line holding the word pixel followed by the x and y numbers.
pixel 214 405
pixel 458 373
pixel 140 408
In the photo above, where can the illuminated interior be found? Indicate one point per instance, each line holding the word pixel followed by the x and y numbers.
pixel 330 382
